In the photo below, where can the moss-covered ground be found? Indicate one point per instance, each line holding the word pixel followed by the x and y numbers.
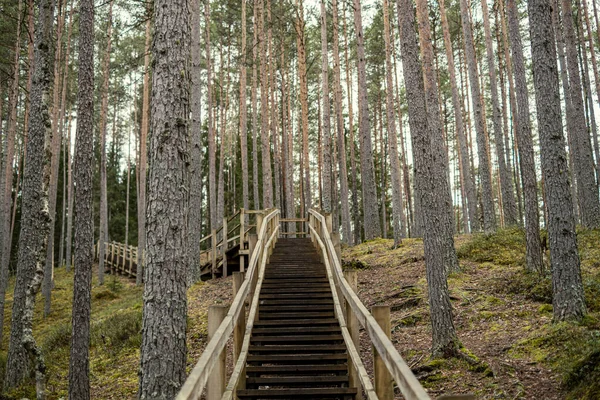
pixel 115 334
pixel 502 314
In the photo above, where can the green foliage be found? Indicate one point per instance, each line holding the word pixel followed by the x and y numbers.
pixel 504 247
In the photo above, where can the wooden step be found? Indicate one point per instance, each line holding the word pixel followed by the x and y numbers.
pixel 297 393
pixel 295 308
pixel 296 330
pixel 292 315
pixel 307 302
pixel 297 322
pixel 298 348
pixel 321 339
pixel 298 381
pixel 306 369
pixel 294 359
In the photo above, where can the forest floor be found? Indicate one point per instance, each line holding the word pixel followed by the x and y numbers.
pixel 503 317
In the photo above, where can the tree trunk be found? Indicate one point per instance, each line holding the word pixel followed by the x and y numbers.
pixel 9 155
pixel 440 155
pixel 54 169
pixel 69 239
pixel 163 354
pixel 568 298
pixel 301 43
pixel 467 177
pixel 212 150
pixel 489 216
pixel 587 191
pixel 194 223
pixel 524 137
pixel 35 222
pixel 397 203
pixel 243 116
pixel 264 103
pixel 255 180
pixel 372 225
pixel 509 206
pixel 79 381
pixel 353 167
pixel 325 106
pixel 445 341
pixel 143 163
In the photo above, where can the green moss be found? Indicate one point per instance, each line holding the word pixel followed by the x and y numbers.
pixel 504 247
pixel 545 309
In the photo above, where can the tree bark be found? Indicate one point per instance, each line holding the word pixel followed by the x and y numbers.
pixel 509 206
pixel 397 203
pixel 243 116
pixel 194 222
pixel 143 163
pixel 327 182
pixel 467 177
pixel 568 298
pixel 526 154
pixel 255 180
pixel 445 341
pixel 485 176
pixel 9 155
pixel 212 150
pixel 372 225
pixel 587 191
pixel 35 222
pixel 163 353
pixel 440 156
pixel 264 103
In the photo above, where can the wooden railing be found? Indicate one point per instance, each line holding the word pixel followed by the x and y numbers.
pixel 119 258
pixel 211 365
pixel 349 310
pixel 320 227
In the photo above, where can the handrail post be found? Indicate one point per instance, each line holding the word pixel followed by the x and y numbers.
pixel 240 328
pixel 384 385
pixel 335 238
pixel 224 248
pixel 352 324
pixel 213 252
pixel 112 258
pixel 216 381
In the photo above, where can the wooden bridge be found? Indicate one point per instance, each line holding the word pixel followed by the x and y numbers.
pixel 295 325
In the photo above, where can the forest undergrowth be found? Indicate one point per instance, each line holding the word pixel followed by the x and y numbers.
pixel 503 317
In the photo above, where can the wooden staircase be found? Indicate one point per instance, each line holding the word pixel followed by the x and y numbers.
pixel 296 349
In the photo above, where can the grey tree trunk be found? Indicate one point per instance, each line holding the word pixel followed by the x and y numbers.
pixel 525 140
pixel 485 175
pixel 509 205
pixel 560 46
pixel 212 148
pixel 255 183
pixel 103 233
pixel 327 182
pixel 54 169
pixel 141 261
pixel 442 185
pixel 339 118
pixel 70 194
pixel 353 167
pixel 194 222
pixel 35 222
pixel 243 115
pixel 427 162
pixel 469 183
pixel 264 103
pixel 587 190
pixel 590 40
pixel 567 298
pixel 372 225
pixel 303 80
pixel 397 203
pixel 9 155
pixel 163 352
pixel 79 379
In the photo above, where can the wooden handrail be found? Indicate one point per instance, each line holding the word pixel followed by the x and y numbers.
pixel 408 384
pixel 194 385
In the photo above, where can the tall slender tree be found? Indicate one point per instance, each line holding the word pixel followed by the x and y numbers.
pixel 244 113
pixel 524 137
pixel 485 175
pixel 163 353
pixel 372 225
pixel 427 162
pixel 327 181
pixel 568 298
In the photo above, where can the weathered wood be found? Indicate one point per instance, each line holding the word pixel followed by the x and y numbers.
pixel 384 386
pixel 213 253
pixel 352 324
pixel 216 381
pixel 240 327
pixel 224 247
